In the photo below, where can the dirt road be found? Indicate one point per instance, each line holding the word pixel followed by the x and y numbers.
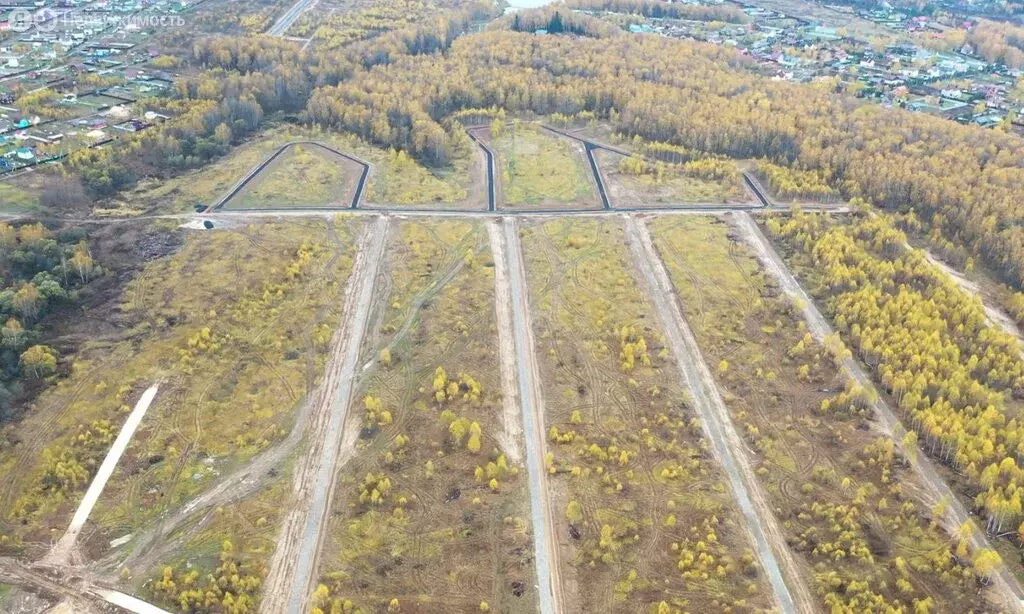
pixel 62 550
pixel 549 584
pixel 506 347
pixel 293 564
pixel 996 316
pixel 791 592
pixel 887 423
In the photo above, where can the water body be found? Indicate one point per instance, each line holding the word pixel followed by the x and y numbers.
pixel 515 5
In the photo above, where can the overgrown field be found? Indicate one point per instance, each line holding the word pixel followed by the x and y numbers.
pixel 395 178
pixel 538 169
pixel 841 493
pixel 646 521
pixel 304 175
pixel 15 199
pixel 954 378
pixel 431 513
pixel 216 564
pixel 634 182
pixel 235 327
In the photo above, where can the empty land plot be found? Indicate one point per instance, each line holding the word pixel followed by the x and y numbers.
pixel 203 186
pixel 535 169
pixel 394 179
pixel 225 550
pixel 304 175
pixel 636 183
pixel 14 199
pixel 844 498
pixel 645 515
pixel 952 376
pixel 430 512
pixel 236 324
pixel 398 180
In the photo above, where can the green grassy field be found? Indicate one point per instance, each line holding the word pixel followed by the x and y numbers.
pixel 303 176
pixel 538 168
pixel 13 199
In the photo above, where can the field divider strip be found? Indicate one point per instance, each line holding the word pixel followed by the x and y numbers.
pixel 888 423
pixel 65 545
pixel 532 405
pixel 288 583
pixel 767 536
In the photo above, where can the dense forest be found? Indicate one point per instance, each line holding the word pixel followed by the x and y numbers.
pixel 39 270
pixel 956 378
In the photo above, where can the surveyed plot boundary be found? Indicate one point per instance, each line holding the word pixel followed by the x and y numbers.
pixel 222 202
pixel 287 587
pixel 791 592
pixel 888 424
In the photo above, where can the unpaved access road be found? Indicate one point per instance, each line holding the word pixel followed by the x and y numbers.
pixel 791 592
pixel 545 546
pixel 506 347
pixel 293 564
pixel 887 424
pixel 995 314
pixel 64 547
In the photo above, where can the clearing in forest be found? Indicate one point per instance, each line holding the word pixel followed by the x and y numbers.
pixel 236 324
pixel 636 182
pixel 303 175
pixel 536 169
pixel 844 496
pixel 431 514
pixel 644 514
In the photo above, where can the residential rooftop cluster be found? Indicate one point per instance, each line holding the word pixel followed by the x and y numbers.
pixel 77 75
pixel 901 67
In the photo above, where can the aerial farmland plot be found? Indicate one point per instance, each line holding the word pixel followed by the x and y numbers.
pixel 430 513
pixel 538 169
pixel 643 517
pixel 852 511
pixel 226 336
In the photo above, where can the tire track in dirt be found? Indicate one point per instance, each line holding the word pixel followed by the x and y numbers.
pixel 531 402
pixel 768 539
pixel 293 564
pixel 887 424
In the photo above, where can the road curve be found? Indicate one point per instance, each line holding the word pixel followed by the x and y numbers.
pixel 768 539
pixel 887 421
pixel 531 403
pixel 492 196
pixel 293 564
